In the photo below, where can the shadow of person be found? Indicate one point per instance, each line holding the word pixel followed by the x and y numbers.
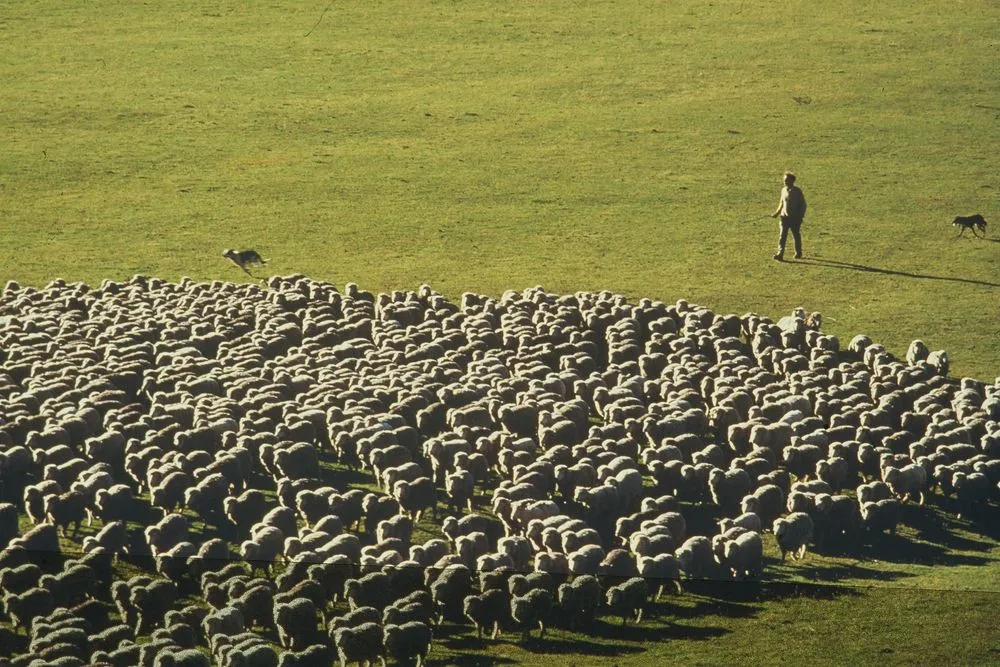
pixel 837 264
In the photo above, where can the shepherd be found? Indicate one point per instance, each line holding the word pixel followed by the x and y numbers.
pixel 791 211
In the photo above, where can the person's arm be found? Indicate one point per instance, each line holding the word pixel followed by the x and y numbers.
pixel 781 204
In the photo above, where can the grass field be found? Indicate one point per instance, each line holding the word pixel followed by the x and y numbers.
pixel 486 146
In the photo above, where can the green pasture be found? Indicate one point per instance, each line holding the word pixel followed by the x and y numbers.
pixel 486 146
pixel 623 145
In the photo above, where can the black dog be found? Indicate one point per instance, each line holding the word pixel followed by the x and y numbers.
pixel 972 222
pixel 245 259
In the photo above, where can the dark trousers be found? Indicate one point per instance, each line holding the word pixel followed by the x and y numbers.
pixel 793 226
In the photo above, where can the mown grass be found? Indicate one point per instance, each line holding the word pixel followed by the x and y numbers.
pixel 484 147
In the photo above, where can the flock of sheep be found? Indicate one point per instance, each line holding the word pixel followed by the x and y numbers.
pixel 562 445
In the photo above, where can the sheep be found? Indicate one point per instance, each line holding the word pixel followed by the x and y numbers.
pixel 460 488
pixel 168 494
pixel 587 559
pixel 167 533
pixel 793 534
pixel 487 611
pixel 253 655
pixel 65 509
pixel 628 598
pixel 24 608
pixel 297 621
pixel 17 580
pixel 256 604
pixel 34 501
pixel 449 589
pixel 744 555
pixel 418 605
pixel 352 619
pixel 696 557
pixel 226 621
pixel 728 487
pixel 531 610
pixel 767 501
pixel 376 508
pixel 472 523
pixel 416 497
pixel 70 586
pixel 409 471
pixel 317 655
pixel 371 590
pixel 407 641
pixel 181 658
pixel 972 490
pixel 881 515
pixel 246 509
pixel 362 643
pixel 747 520
pixel 906 482
pixel 113 537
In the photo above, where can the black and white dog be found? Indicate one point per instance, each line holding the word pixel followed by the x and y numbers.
pixel 245 259
pixel 972 222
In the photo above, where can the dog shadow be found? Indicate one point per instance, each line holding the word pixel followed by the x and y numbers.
pixel 837 264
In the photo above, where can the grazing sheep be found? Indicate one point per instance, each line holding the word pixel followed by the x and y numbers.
pixel 65 509
pixel 24 608
pixel 353 618
pixel 580 599
pixel 728 487
pixel 416 497
pixel 450 589
pixel 881 515
pixel 362 643
pixel 317 655
pixel 487 611
pixel 793 534
pixel 226 621
pixel 151 602
pixel 532 610
pixel 696 557
pixel 297 621
pixel 408 643
pixel 371 590
pixel 628 599
pixel 17 580
pixel 767 501
pixel 744 555
pixel 663 568
pixel 907 482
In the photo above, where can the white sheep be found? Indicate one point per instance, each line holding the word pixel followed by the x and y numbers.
pixel 793 534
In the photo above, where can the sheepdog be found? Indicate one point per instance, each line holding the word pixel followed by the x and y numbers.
pixel 245 259
pixel 972 222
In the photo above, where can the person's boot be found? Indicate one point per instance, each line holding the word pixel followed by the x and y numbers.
pixel 779 257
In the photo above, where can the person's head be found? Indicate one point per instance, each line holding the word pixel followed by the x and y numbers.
pixel 789 178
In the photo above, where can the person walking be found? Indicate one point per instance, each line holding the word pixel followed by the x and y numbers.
pixel 791 211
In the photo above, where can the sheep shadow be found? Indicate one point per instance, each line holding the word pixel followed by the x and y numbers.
pixel 568 646
pixel 833 574
pixel 901 550
pixel 469 659
pixel 12 643
pixel 940 527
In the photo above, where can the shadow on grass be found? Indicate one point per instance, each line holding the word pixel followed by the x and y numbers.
pixel 836 264
pixel 899 549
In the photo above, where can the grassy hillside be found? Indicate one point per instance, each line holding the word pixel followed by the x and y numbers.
pixel 477 146
pixel 487 146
